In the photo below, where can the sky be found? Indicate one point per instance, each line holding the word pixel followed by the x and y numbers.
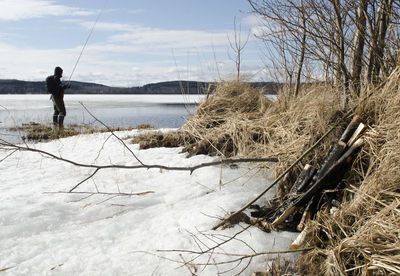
pixel 133 42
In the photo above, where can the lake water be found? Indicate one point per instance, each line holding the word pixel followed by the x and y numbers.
pixel 113 110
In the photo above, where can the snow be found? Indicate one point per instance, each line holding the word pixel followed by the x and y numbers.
pixel 47 233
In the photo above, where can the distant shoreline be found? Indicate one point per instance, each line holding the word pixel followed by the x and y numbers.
pixel 160 88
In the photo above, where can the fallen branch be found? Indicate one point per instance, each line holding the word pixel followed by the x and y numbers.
pixel 8 146
pixel 241 257
pixel 102 193
pixel 4 145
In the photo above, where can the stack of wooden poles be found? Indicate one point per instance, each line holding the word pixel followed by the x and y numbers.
pixel 313 187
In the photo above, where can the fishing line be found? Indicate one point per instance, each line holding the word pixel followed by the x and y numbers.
pixel 86 42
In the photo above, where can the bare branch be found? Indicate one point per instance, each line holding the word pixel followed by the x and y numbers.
pixel 113 134
pixel 211 248
pixel 9 146
pixel 8 155
pixel 103 193
pixel 90 176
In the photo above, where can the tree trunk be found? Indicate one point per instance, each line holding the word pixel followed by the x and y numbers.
pixel 358 45
pixel 378 40
pixel 303 50
pixel 382 31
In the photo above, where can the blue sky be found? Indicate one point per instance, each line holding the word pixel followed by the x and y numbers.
pixel 135 42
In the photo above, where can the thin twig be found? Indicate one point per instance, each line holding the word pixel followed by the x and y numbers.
pixel 103 193
pixel 210 248
pixel 90 176
pixel 113 134
pixel 102 147
pixel 8 155
pixel 6 268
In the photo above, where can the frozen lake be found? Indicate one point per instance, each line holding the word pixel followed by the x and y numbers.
pixel 113 110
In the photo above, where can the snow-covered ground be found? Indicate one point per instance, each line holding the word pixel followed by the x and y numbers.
pixel 45 233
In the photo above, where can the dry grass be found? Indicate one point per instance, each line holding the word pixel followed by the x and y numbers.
pixel 363 237
pixel 239 120
pixel 40 132
pixel 155 139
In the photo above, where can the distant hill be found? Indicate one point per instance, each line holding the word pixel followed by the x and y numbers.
pixel 169 87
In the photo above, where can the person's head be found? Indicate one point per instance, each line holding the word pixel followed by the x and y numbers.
pixel 58 72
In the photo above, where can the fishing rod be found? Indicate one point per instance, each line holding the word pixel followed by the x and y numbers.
pixel 86 42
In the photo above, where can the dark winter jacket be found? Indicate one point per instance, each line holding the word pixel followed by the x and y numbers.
pixel 54 86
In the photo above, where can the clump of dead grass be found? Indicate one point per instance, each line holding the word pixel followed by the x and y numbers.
pixel 156 139
pixel 213 129
pixel 363 236
pixel 42 132
pixel 283 129
pixel 238 120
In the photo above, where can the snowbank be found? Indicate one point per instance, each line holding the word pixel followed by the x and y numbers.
pixel 68 234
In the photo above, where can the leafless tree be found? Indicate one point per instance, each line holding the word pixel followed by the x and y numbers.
pixel 343 38
pixel 237 46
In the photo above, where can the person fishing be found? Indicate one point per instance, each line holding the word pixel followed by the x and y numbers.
pixel 56 88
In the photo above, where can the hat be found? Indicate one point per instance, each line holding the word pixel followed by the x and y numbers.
pixel 58 71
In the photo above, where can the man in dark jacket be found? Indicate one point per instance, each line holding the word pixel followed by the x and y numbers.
pixel 56 88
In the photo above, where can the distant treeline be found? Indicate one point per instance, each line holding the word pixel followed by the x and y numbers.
pixel 169 87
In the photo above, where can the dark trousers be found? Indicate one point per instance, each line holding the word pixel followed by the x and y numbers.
pixel 59 111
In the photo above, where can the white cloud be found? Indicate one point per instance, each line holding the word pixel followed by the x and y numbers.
pixel 140 39
pixel 251 20
pixel 128 38
pixel 170 39
pixel 95 66
pixel 137 11
pixel 105 26
pixel 13 10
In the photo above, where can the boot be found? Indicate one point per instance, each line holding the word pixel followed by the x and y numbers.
pixel 55 121
pixel 61 121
